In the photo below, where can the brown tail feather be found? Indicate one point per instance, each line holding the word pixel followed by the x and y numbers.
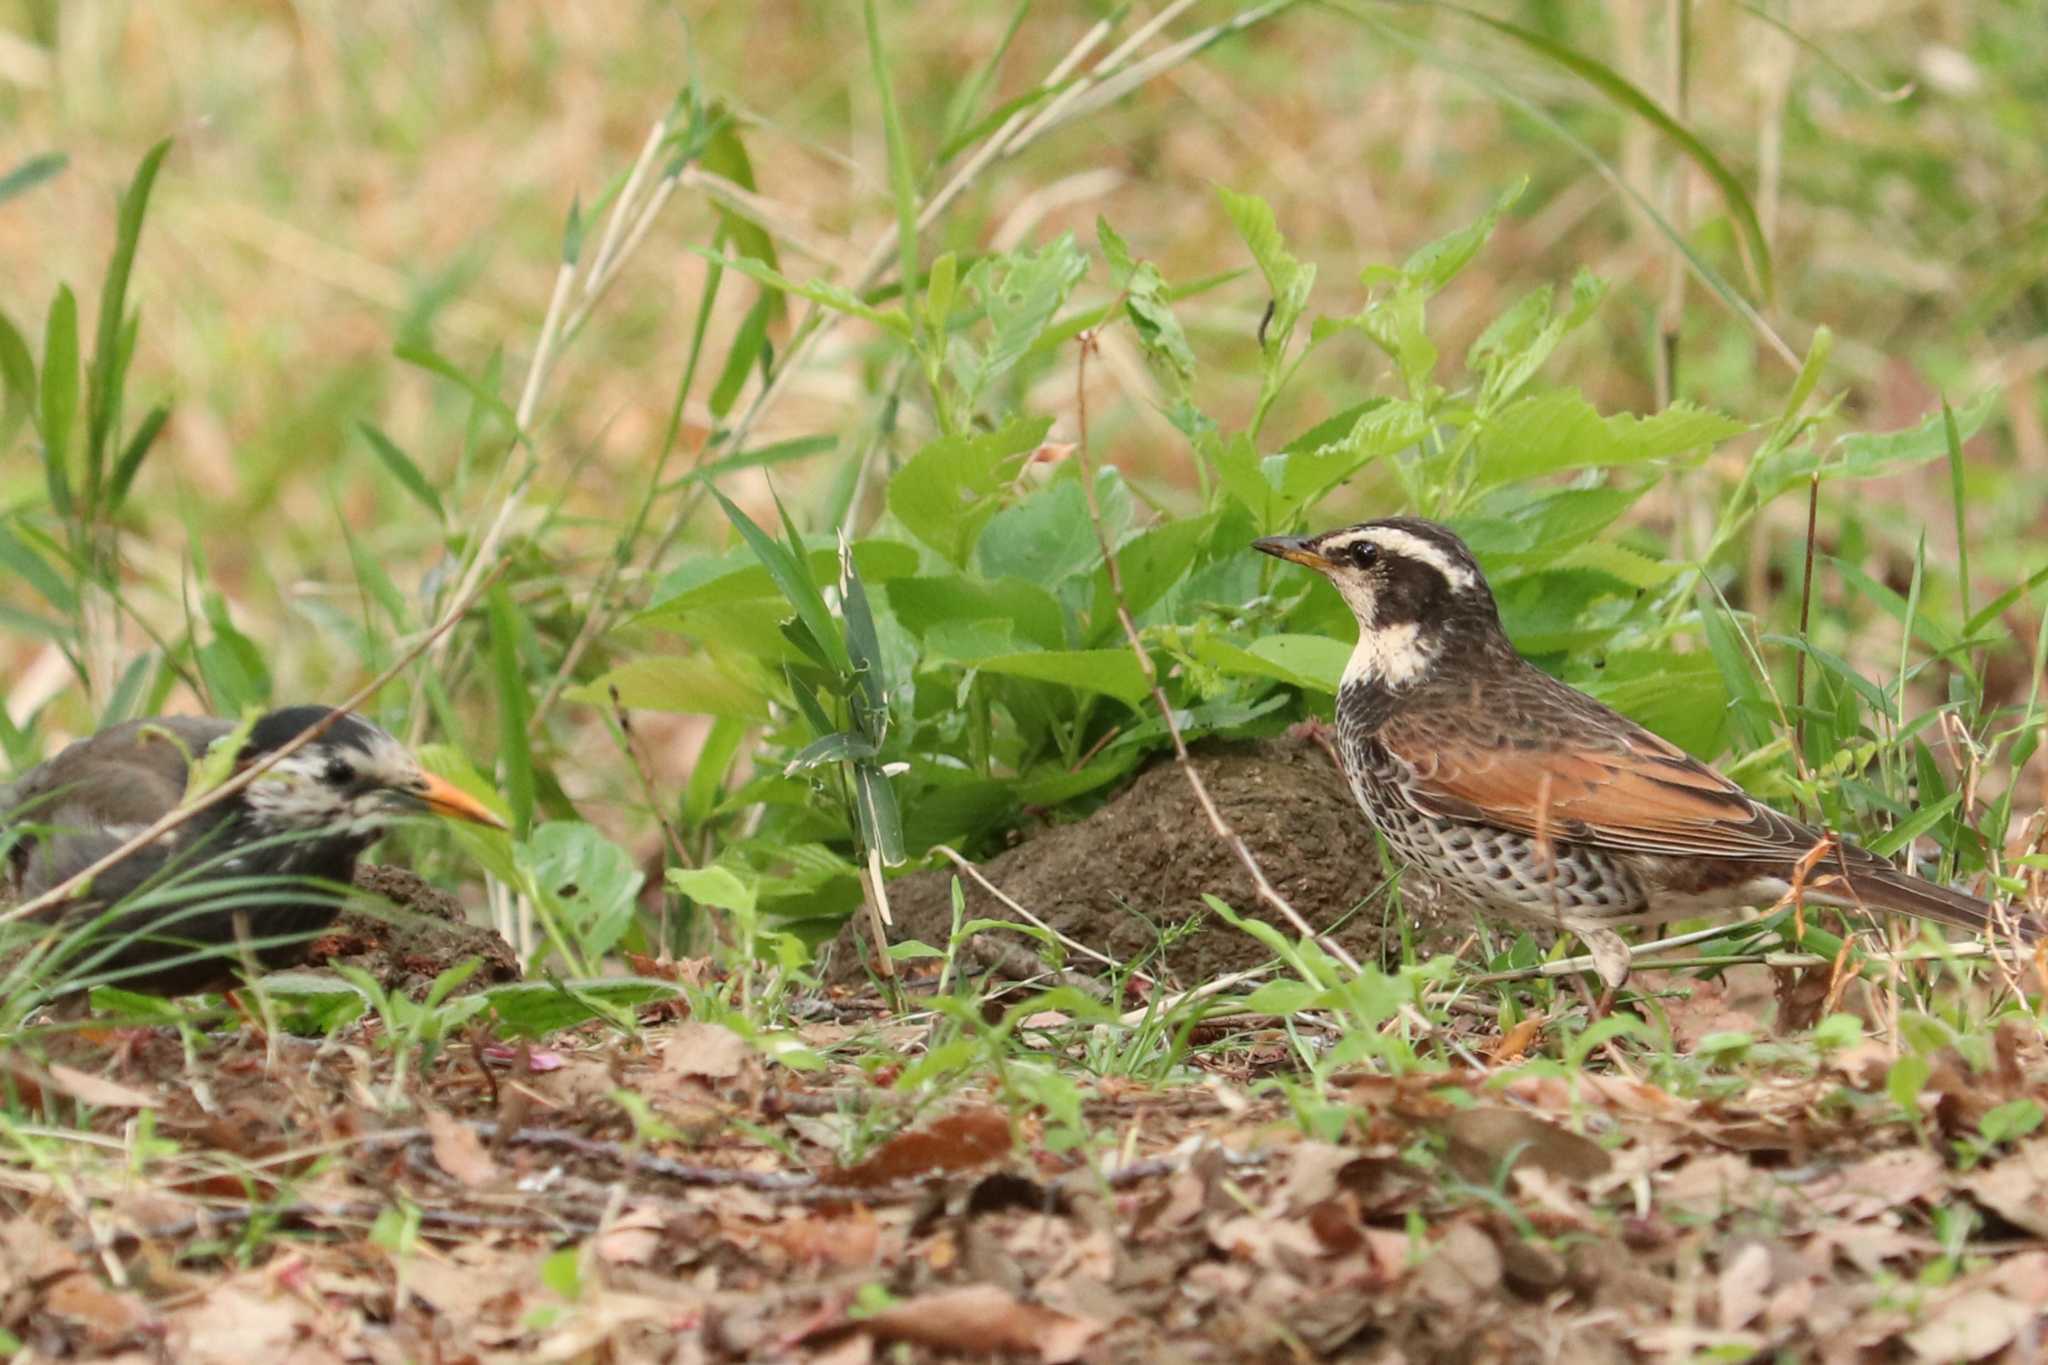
pixel 1886 888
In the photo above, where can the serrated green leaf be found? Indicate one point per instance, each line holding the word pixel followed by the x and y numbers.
pixel 1020 292
pixel 1435 264
pixel 1551 432
pixel 1288 280
pixel 946 493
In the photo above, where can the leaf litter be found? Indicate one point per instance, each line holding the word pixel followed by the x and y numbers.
pixel 678 1197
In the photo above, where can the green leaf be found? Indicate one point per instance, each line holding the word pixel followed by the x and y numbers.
pixel 946 493
pixel 1049 537
pixel 22 563
pixel 1867 454
pixel 713 885
pixel 110 355
pixel 863 645
pixel 1149 565
pixel 684 684
pixel 1913 826
pixel 515 754
pixel 1550 432
pixel 1020 292
pixel 60 396
pixel 738 578
pixel 1435 264
pixel 724 154
pixel 1904 1082
pixel 404 470
pixel 17 376
pixel 881 821
pixel 581 879
pixel 1114 672
pixel 1316 660
pixel 1288 281
pixel 922 605
pixel 31 173
pixel 536 1009
pixel 433 362
pixel 232 666
pixel 796 584
pixel 826 295
pixel 1513 528
pixel 1333 451
pixel 749 344
pixel 1678 695
pixel 1147 307
pixel 841 746
pixel 134 453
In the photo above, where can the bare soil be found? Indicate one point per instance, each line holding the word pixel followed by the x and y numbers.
pixel 1129 879
pixel 416 933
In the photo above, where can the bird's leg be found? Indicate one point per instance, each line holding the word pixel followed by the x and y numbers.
pixel 1610 960
pixel 1316 732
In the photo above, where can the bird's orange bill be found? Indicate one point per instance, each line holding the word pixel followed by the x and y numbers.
pixel 443 797
pixel 1293 549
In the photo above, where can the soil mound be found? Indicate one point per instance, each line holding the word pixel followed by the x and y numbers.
pixel 1129 879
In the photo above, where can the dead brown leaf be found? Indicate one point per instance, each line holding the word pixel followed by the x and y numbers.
pixel 1865 1188
pixel 957 1142
pixel 1462 1268
pixel 2015 1187
pixel 460 1152
pixel 107 1317
pixel 712 1051
pixel 1511 1045
pixel 1970 1326
pixel 236 1324
pixel 1743 1286
pixel 1484 1140
pixel 982 1320
pixel 98 1090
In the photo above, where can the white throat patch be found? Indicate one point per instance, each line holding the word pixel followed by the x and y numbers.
pixel 1389 656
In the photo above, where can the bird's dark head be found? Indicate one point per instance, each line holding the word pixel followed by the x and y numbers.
pixel 350 779
pixel 1412 584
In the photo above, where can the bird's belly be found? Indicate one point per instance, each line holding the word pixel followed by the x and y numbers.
pixel 1502 870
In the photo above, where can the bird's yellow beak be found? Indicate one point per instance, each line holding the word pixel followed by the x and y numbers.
pixel 444 798
pixel 1293 549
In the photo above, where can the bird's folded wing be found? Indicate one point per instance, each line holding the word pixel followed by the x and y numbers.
pixel 1626 790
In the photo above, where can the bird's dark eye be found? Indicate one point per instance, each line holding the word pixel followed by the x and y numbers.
pixel 340 772
pixel 1364 554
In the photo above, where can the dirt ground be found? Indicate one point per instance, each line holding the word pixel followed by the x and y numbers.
pixel 675 1196
pixel 1128 881
pixel 409 934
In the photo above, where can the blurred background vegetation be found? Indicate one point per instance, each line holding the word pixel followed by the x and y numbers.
pixel 358 194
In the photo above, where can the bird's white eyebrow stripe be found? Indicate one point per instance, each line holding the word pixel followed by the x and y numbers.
pixel 1407 543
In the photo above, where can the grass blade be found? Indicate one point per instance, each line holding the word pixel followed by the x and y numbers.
pixel 110 352
pixel 32 173
pixel 404 470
